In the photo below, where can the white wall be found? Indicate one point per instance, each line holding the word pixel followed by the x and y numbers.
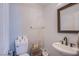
pixel 4 29
pixel 22 17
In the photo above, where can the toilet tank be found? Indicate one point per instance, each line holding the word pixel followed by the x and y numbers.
pixel 21 45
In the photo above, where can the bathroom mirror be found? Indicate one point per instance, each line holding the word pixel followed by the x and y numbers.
pixel 68 18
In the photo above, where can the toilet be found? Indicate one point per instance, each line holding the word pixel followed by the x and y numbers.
pixel 21 46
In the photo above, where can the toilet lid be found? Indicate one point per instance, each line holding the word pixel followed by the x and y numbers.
pixel 26 54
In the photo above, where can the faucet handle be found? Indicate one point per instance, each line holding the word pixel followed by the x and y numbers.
pixel 62 42
pixel 72 45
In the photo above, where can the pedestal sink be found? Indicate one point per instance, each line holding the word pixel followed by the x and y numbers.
pixel 65 50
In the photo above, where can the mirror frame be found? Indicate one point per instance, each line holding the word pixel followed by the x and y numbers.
pixel 59 19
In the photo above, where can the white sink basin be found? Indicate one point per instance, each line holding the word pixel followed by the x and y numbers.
pixel 65 49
